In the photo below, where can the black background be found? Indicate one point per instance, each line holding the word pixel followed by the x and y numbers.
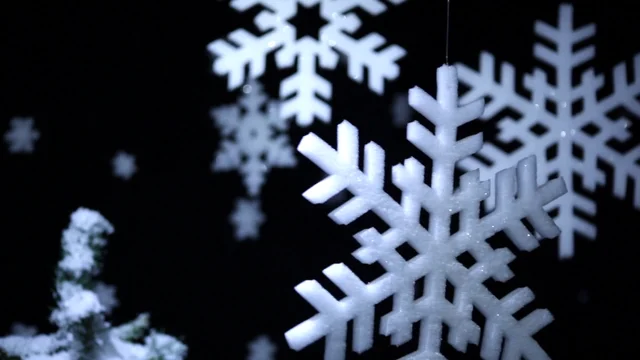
pixel 136 76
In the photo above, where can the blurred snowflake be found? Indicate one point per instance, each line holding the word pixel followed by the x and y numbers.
pixel 21 136
pixel 124 165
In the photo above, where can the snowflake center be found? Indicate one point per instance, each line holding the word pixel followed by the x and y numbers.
pixel 308 21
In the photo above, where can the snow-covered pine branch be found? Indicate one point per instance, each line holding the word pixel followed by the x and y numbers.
pixel 82 304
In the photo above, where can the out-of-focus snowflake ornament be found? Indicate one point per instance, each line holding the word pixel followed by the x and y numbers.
pixel 517 197
pixel 587 127
pixel 247 219
pixel 254 140
pixel 400 110
pixel 303 87
pixel 21 136
pixel 262 348
pixel 124 165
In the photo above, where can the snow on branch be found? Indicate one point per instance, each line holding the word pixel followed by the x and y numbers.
pixel 83 303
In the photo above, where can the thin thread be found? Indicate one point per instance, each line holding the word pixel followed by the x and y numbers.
pixel 446 49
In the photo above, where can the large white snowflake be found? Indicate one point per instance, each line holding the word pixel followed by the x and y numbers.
pixel 252 142
pixel 278 34
pixel 436 262
pixel 21 137
pixel 580 118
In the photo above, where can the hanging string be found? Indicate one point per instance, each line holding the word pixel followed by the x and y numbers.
pixel 446 49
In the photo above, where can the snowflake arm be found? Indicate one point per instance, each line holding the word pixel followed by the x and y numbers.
pixel 246 49
pixel 305 84
pixel 518 197
pixel 362 54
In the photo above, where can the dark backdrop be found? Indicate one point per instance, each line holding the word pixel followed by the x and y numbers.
pixel 136 76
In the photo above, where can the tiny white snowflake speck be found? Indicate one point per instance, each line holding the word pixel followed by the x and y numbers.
pixel 279 35
pixel 254 139
pixel 589 127
pixel 21 137
pixel 247 218
pixel 124 165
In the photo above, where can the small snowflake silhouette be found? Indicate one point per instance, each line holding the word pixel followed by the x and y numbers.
pixel 247 219
pixel 22 136
pixel 124 165
pixel 262 348
pixel 252 144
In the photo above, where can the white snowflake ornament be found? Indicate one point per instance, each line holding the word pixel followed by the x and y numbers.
pixel 254 140
pixel 124 165
pixel 262 348
pixel 518 197
pixel 587 126
pixel 21 137
pixel 247 217
pixel 303 87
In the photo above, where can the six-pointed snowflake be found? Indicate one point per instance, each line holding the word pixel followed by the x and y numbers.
pixel 262 348
pixel 580 119
pixel 21 136
pixel 124 165
pixel 247 219
pixel 252 144
pixel 517 197
pixel 305 84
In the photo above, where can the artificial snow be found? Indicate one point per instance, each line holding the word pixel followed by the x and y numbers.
pixel 81 308
pixel 517 197
pixel 106 296
pixel 21 136
pixel 75 304
pixel 563 128
pixel 253 140
pixel 302 89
